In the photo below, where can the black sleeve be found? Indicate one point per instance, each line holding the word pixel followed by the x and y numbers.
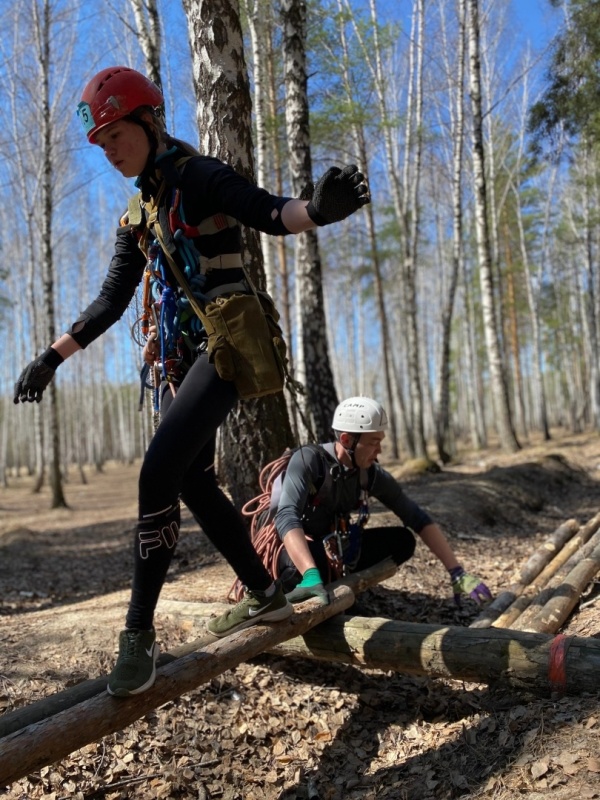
pixel 124 274
pixel 212 187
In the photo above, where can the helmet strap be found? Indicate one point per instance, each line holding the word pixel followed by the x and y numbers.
pixel 351 450
pixel 148 171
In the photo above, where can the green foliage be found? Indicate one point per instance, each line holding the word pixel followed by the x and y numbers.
pixel 570 106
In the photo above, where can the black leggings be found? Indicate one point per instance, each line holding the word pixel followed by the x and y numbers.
pixel 180 463
pixel 396 542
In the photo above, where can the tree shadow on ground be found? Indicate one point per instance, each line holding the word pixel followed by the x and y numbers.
pixel 47 569
pixel 447 740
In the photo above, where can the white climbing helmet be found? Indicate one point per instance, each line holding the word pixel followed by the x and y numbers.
pixel 359 415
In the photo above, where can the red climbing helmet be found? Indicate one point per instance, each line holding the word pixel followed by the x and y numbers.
pixel 115 93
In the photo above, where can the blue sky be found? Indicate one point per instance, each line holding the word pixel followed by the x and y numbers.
pixel 538 20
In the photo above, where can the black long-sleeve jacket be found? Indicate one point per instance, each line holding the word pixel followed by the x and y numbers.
pixel 208 187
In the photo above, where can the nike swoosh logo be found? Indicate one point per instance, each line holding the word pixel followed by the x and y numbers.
pixel 150 653
pixel 252 612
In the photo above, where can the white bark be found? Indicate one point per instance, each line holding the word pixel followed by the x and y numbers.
pixel 499 389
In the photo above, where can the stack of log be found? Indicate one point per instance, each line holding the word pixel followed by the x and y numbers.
pixel 550 583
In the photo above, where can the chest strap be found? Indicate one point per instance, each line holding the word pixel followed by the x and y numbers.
pixel 227 288
pixel 224 261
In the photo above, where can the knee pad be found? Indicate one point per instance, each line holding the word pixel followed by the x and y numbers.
pixel 158 529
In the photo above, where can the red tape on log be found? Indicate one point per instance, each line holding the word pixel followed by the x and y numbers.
pixel 557 669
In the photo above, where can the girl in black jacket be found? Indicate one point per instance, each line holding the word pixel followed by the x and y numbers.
pixel 122 112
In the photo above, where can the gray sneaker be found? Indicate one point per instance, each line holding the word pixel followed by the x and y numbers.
pixel 135 670
pixel 254 608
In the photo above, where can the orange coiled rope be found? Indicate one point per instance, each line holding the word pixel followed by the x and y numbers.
pixel 263 534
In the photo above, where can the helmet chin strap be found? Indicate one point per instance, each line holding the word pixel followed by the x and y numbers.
pixel 148 170
pixel 351 450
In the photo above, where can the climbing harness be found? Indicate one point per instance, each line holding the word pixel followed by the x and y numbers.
pixel 223 316
pixel 342 544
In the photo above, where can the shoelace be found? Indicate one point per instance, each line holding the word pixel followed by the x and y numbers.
pixel 133 643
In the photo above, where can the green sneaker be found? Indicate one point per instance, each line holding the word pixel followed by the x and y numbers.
pixel 254 608
pixel 135 670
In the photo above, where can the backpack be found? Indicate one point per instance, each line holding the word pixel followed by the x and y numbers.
pixel 262 510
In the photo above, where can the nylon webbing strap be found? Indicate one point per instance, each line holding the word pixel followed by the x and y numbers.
pixel 178 274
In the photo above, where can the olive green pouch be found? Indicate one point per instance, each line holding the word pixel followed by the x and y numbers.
pixel 245 342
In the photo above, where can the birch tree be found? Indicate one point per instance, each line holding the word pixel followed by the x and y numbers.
pixel 259 15
pixel 360 137
pixel 147 21
pixel 502 412
pixel 442 422
pixel 374 60
pixel 317 376
pixel 42 18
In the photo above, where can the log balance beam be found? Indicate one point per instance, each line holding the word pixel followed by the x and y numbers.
pixel 531 662
pixel 53 738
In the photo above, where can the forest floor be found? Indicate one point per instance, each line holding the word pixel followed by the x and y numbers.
pixel 275 729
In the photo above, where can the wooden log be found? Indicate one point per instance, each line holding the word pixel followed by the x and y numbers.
pixel 50 740
pixel 533 662
pixel 506 619
pixel 363 580
pixel 526 622
pixel 566 596
pixel 530 570
pixel 60 701
pixel 356 581
pixel 67 698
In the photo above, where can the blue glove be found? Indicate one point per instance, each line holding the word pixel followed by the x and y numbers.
pixel 465 584
pixel 311 585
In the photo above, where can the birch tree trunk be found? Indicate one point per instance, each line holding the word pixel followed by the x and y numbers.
pixel 321 395
pixel 412 177
pixel 257 430
pixel 28 190
pixel 589 297
pixel 286 308
pixel 373 58
pixel 147 21
pixel 502 413
pixel 442 421
pixel 536 359
pixel 359 137
pixel 43 35
pixel 259 15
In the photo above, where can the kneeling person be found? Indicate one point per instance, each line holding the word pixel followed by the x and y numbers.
pixel 317 530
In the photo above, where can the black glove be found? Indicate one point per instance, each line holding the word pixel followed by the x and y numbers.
pixel 337 194
pixel 36 376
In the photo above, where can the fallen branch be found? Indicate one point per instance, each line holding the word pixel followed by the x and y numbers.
pixel 531 569
pixel 52 739
pixel 60 701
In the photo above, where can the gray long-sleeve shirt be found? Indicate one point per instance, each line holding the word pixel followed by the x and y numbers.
pixel 299 508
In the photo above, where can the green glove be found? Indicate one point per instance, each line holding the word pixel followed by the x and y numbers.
pixel 311 585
